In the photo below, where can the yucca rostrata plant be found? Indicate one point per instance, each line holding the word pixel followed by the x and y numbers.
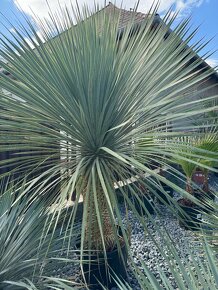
pixel 23 249
pixel 91 91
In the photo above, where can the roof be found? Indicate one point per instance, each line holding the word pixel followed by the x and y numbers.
pixel 125 15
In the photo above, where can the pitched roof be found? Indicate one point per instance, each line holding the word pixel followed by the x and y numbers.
pixel 125 15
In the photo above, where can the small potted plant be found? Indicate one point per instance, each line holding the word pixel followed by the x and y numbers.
pixel 200 154
pixel 189 215
pixel 208 144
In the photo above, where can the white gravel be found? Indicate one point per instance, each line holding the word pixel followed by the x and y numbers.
pixel 143 247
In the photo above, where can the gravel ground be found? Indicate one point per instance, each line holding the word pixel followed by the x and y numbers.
pixel 143 247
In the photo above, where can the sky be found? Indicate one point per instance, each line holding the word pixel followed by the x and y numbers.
pixel 203 13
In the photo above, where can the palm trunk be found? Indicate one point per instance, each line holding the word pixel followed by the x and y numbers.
pixel 93 237
pixel 189 188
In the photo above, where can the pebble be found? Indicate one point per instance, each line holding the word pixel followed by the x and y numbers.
pixel 143 247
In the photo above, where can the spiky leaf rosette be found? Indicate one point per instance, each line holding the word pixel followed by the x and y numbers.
pixel 86 95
